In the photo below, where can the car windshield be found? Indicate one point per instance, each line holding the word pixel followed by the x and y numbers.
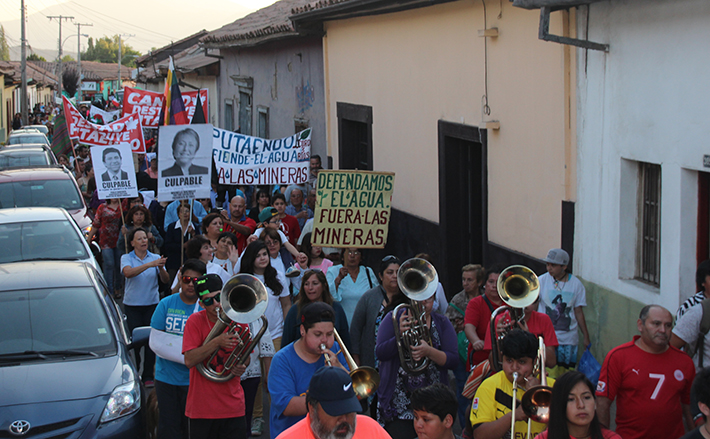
pixel 27 138
pixel 24 159
pixel 41 322
pixel 41 193
pixel 40 240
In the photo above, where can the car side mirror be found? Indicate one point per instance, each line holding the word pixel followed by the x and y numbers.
pixel 139 337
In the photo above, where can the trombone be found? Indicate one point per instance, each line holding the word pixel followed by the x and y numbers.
pixel 518 287
pixel 536 400
pixel 243 301
pixel 365 378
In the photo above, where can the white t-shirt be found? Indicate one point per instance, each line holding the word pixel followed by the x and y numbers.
pixel 274 312
pixel 212 268
pixel 687 328
pixel 558 299
pixel 265 348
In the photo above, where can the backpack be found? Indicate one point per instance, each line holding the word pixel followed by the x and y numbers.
pixel 699 346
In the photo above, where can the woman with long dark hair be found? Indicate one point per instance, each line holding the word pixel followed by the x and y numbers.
pixel 573 410
pixel 256 261
pixel 314 288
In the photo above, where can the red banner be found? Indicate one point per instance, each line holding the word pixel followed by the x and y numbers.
pixel 148 103
pixel 127 129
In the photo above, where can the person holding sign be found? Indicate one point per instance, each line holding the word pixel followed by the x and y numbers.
pixel 185 146
pixel 350 280
pixel 113 161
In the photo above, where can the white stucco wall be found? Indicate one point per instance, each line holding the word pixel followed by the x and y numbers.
pixel 648 99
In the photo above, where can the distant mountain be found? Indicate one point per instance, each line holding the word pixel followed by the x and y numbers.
pixel 153 23
pixel 48 54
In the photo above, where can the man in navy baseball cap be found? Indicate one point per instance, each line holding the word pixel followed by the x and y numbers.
pixel 332 410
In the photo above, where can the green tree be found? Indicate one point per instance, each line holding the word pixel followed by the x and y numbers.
pixel 35 57
pixel 68 58
pixel 105 50
pixel 4 47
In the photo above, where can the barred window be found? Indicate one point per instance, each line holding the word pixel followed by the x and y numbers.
pixel 648 260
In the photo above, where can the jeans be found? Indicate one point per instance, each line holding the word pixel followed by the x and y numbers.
pixel 228 428
pixel 111 266
pixel 172 423
pixel 250 386
pixel 461 377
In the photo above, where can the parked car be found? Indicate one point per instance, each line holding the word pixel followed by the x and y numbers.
pixel 26 136
pixel 64 355
pixel 26 156
pixel 41 128
pixel 44 187
pixel 42 233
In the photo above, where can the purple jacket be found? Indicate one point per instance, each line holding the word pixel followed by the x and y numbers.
pixel 388 354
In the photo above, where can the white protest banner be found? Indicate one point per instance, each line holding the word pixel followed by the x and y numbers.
pixel 114 171
pixel 127 129
pixel 102 117
pixel 352 209
pixel 242 159
pixel 148 104
pixel 184 161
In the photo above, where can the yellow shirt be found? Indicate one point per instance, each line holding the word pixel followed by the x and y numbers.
pixel 494 399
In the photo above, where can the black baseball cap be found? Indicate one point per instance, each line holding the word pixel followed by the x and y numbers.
pixel 209 283
pixel 316 312
pixel 333 389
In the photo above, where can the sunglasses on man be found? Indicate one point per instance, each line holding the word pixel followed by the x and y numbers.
pixel 208 301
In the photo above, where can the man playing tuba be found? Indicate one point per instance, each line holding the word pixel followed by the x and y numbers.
pixel 214 409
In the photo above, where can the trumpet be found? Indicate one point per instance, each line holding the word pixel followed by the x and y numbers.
pixel 365 379
pixel 418 280
pixel 518 287
pixel 243 301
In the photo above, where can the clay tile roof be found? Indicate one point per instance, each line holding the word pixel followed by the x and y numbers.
pixel 320 4
pixel 36 73
pixel 268 23
pixel 92 70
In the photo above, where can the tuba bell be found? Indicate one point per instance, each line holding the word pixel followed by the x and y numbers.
pixel 518 287
pixel 243 301
pixel 418 280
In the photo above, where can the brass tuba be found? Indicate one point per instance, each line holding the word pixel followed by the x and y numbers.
pixel 365 379
pixel 536 400
pixel 243 300
pixel 418 280
pixel 518 287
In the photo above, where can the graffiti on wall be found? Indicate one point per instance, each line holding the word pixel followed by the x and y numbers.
pixel 305 96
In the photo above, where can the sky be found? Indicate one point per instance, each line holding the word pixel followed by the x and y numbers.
pixel 145 24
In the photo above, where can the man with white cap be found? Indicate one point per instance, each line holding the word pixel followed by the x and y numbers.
pixel 332 410
pixel 562 298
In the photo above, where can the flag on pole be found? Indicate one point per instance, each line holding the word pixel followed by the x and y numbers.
pixel 61 143
pixel 199 116
pixel 175 113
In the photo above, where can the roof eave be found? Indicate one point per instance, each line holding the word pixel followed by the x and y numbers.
pixel 312 20
pixel 250 42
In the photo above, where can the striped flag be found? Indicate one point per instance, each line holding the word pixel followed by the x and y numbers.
pixel 175 113
pixel 61 143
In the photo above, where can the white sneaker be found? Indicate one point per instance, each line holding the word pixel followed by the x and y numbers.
pixel 257 426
